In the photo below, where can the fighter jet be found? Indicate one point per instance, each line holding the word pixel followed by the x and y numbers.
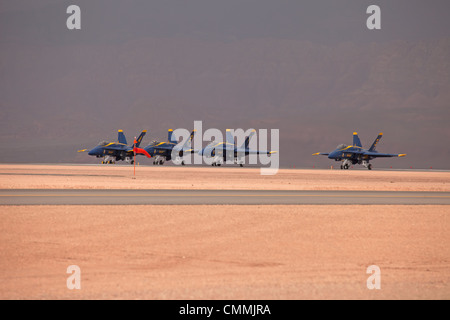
pixel 355 154
pixel 219 150
pixel 162 151
pixel 116 151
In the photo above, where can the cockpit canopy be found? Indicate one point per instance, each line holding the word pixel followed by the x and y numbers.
pixel 153 143
pixel 341 146
pixel 102 143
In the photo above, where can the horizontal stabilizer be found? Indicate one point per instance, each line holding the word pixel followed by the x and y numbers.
pixel 383 155
pixel 246 151
pixel 320 154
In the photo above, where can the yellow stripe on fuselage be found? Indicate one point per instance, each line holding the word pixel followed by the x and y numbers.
pixel 111 143
pixel 350 147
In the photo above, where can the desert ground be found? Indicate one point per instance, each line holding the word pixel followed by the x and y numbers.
pixel 177 177
pixel 223 252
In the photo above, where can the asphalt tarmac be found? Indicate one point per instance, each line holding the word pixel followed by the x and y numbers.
pixel 217 197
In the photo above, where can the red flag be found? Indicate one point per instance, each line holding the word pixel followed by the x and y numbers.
pixel 142 151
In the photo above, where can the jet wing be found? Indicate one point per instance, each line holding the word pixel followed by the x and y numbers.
pixel 162 148
pixel 166 148
pixel 247 151
pixel 382 155
pixel 118 148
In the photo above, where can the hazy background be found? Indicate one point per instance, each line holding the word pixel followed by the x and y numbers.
pixel 309 68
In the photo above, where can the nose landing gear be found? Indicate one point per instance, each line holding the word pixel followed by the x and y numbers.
pixel 345 165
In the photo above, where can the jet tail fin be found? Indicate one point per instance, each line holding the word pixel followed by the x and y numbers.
pixel 356 141
pixel 188 141
pixel 374 144
pixel 229 137
pixel 247 140
pixel 139 139
pixel 171 137
pixel 121 137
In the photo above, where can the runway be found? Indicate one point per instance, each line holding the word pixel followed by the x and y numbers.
pixel 217 197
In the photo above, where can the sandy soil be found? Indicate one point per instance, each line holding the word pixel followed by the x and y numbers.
pixel 225 252
pixel 119 176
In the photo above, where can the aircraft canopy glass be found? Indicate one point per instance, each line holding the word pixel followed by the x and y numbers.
pixel 102 143
pixel 341 146
pixel 154 142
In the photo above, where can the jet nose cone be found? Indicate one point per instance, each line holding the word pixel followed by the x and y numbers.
pixel 93 152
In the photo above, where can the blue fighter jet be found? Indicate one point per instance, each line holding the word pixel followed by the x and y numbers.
pixel 115 151
pixel 163 151
pixel 220 150
pixel 355 154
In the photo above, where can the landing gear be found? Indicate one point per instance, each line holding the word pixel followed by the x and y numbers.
pixel 159 161
pixel 178 160
pixel 217 162
pixel 240 161
pixel 345 165
pixel 367 165
pixel 108 160
pixel 128 160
